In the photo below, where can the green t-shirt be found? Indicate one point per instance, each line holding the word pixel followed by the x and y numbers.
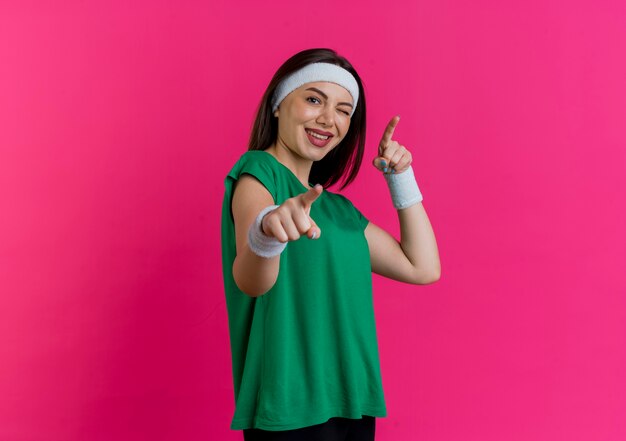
pixel 306 350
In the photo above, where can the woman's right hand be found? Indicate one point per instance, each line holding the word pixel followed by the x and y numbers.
pixel 291 219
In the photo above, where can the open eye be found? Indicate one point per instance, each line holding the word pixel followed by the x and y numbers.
pixel 313 98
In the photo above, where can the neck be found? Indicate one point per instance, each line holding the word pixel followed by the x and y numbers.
pixel 299 166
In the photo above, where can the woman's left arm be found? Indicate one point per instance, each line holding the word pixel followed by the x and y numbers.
pixel 415 259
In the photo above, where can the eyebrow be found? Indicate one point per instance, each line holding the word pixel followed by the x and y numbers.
pixel 325 96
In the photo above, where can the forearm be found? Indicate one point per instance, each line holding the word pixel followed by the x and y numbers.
pixel 255 275
pixel 418 240
pixel 416 258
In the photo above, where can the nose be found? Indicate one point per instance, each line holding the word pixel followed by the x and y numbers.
pixel 326 116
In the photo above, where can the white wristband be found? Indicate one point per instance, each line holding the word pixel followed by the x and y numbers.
pixel 259 243
pixel 403 188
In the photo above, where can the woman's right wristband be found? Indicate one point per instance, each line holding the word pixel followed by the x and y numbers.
pixel 261 244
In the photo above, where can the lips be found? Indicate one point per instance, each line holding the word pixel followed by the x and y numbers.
pixel 320 132
pixel 318 142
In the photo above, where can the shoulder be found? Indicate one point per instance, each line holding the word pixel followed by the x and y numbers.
pixel 256 164
pixel 337 198
pixel 252 159
pixel 341 203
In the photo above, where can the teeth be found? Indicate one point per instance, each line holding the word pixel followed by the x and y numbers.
pixel 316 135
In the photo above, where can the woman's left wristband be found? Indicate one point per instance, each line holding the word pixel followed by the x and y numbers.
pixel 403 189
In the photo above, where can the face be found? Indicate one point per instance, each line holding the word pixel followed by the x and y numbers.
pixel 314 119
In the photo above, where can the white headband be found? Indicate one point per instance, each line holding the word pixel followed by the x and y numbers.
pixel 317 72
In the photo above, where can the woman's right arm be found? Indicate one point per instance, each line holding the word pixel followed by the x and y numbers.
pixel 255 275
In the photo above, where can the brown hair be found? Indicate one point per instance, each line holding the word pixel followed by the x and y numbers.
pixel 341 163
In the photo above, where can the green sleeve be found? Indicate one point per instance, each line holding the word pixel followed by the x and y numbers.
pixel 256 165
pixel 363 221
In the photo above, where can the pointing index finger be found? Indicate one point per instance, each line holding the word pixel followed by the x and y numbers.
pixel 388 133
pixel 310 196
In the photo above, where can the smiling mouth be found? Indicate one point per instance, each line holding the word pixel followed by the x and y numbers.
pixel 317 135
pixel 317 140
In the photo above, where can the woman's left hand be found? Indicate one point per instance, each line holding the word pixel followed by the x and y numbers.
pixel 392 157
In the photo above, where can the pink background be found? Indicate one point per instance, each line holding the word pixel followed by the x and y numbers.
pixel 119 121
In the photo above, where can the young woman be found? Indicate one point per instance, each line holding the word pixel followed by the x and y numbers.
pixel 297 258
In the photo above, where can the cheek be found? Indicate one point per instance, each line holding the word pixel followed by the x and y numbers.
pixel 307 113
pixel 345 127
pixel 301 110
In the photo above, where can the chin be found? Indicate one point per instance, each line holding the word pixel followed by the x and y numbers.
pixel 322 154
